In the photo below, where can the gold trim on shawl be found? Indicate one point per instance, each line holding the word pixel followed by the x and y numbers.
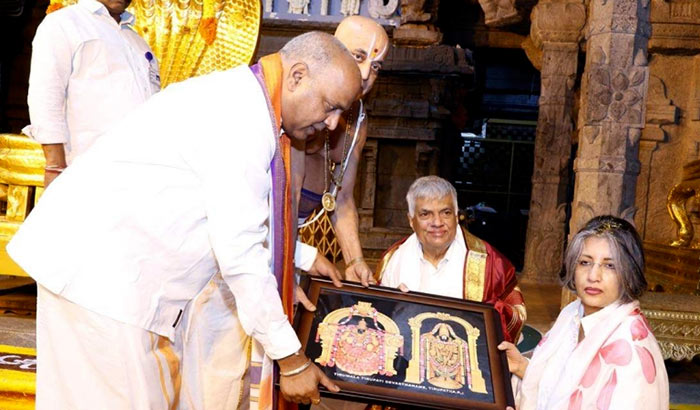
pixel 474 267
pixel 519 314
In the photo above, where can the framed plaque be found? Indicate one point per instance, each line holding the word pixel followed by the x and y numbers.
pixel 381 345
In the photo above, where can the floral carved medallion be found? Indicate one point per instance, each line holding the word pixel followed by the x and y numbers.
pixel 618 95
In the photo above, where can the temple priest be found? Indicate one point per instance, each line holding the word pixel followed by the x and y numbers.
pixel 444 259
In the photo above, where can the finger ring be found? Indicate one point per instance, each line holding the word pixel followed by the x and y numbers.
pixel 316 401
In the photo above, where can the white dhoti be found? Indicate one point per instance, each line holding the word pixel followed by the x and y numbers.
pixel 216 352
pixel 89 361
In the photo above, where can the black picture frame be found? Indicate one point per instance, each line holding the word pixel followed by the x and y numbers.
pixel 414 350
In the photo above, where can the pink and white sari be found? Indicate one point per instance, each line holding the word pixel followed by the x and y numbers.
pixel 617 365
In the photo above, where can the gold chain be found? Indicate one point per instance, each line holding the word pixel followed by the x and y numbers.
pixel 327 158
pixel 328 198
pixel 331 165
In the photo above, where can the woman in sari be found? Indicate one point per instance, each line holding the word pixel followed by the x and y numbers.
pixel 600 353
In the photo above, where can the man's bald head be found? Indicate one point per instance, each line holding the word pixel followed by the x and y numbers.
pixel 320 81
pixel 354 24
pixel 368 43
pixel 317 49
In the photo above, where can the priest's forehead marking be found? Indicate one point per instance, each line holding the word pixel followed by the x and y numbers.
pixel 373 50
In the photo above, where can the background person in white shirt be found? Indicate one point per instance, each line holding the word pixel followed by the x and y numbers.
pixel 443 259
pixel 89 69
pixel 136 227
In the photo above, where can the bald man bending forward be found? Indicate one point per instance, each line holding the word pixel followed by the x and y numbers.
pixel 159 221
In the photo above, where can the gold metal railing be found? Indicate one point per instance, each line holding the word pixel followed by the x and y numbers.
pixel 21 184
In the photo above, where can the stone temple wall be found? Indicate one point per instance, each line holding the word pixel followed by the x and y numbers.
pixel 671 137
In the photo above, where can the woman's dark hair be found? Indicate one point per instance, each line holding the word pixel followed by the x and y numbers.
pixel 625 246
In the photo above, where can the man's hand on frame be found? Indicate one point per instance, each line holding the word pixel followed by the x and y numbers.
pixel 321 267
pixel 360 272
pixel 324 267
pixel 302 387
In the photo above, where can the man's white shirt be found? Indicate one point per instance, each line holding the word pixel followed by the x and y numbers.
pixel 87 72
pixel 408 266
pixel 176 192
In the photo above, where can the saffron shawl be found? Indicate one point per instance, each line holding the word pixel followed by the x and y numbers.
pixel 269 73
pixel 618 364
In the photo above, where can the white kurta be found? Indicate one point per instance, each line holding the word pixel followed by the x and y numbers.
pixel 87 73
pixel 408 266
pixel 137 226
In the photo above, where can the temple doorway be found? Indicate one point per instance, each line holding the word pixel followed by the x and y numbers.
pixel 490 155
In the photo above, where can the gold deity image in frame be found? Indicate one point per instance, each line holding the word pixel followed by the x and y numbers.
pixel 359 349
pixel 384 346
pixel 441 357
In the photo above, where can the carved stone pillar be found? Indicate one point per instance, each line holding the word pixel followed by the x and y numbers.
pixel 613 103
pixel 647 148
pixel 660 113
pixel 556 31
pixel 367 185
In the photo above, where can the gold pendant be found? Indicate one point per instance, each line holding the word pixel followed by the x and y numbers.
pixel 328 202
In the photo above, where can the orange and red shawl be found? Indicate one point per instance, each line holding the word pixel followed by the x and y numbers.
pixel 269 72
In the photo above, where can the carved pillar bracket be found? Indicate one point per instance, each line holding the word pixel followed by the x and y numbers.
pixel 660 111
pixel 417 24
pixel 556 30
pixel 613 108
pixel 675 26
pixel 557 21
pixel 499 13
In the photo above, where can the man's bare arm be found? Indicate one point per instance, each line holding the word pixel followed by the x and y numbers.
pixel 55 161
pixel 345 219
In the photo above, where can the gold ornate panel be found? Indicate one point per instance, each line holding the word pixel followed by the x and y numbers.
pixel 678 333
pixel 195 37
pixel 414 374
pixel 359 349
pixel 673 310
pixel 177 33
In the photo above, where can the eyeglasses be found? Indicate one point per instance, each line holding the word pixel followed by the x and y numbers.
pixel 587 266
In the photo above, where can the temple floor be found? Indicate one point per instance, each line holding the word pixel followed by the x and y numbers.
pixel 17 337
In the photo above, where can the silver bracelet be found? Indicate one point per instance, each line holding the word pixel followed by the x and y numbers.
pixel 297 370
pixel 54 168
